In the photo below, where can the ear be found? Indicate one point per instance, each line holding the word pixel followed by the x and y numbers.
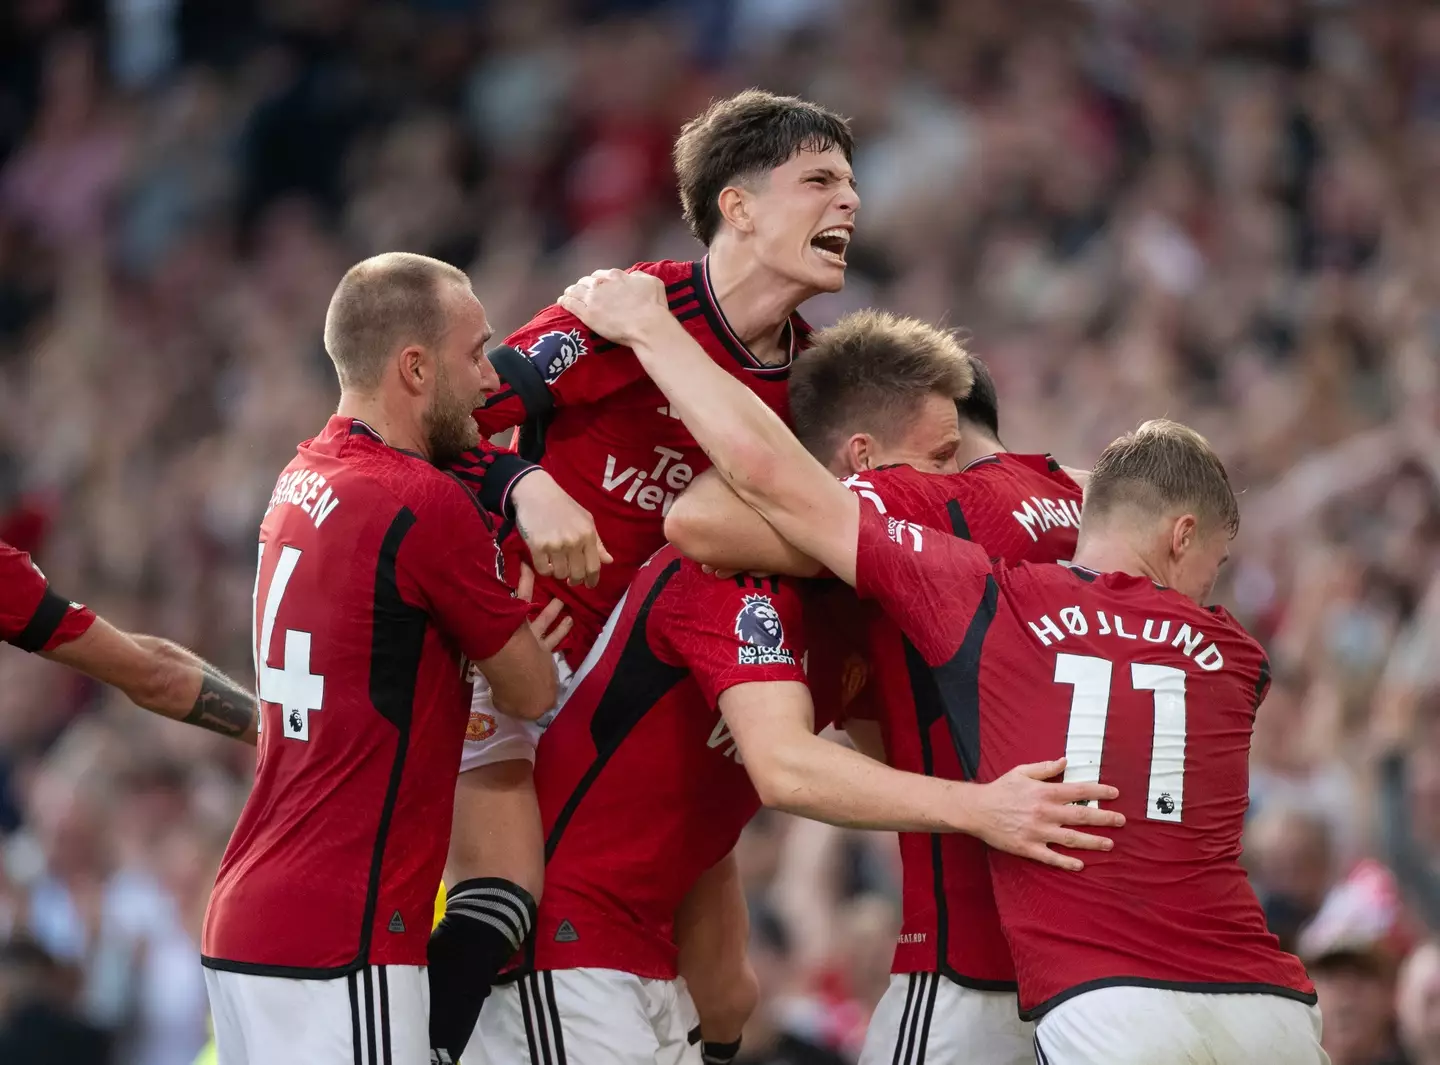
pixel 414 368
pixel 859 452
pixel 734 203
pixel 1183 534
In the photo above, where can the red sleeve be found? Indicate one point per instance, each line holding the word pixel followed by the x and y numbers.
pixel 562 364
pixel 734 631
pixel 929 583
pixel 456 566
pixel 491 472
pixel 32 617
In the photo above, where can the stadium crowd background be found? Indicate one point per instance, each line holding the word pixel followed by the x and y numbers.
pixel 1224 211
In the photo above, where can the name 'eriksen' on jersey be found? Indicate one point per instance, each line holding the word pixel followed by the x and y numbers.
pixel 303 488
pixel 1075 622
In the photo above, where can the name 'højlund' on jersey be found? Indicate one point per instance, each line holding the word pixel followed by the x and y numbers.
pixel 1037 515
pixel 302 488
pixel 1075 622
pixel 669 472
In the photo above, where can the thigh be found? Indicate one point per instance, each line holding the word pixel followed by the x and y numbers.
pixel 492 737
pixel 927 1018
pixel 567 1017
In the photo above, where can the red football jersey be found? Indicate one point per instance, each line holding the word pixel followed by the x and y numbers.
pixel 1022 508
pixel 608 436
pixel 377 581
pixel 32 617
pixel 1140 688
pixel 640 783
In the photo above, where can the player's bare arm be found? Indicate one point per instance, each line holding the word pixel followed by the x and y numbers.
pixel 798 772
pixel 714 526
pixel 758 456
pixel 712 930
pixel 162 677
pixel 560 533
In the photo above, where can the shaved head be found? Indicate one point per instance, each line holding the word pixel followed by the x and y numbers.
pixel 384 304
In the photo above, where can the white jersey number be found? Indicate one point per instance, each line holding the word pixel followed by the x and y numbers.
pixel 1089 708
pixel 292 686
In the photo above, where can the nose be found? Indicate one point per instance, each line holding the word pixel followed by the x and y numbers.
pixel 489 379
pixel 849 199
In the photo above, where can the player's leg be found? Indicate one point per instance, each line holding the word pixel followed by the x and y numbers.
pixel 588 1016
pixel 926 1017
pixel 495 870
pixel 1141 1025
pixel 712 930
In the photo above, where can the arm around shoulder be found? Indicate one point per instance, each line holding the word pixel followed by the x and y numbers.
pixel 712 525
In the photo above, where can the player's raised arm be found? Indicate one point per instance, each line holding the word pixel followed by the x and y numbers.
pixel 747 441
pixel 162 677
pixel 714 526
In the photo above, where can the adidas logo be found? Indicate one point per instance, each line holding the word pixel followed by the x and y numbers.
pixel 566 933
pixel 397 923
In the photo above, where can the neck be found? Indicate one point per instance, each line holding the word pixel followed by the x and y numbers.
pixel 755 300
pixel 974 445
pixel 397 431
pixel 1108 554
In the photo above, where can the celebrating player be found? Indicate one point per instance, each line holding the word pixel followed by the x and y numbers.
pixel 952 996
pixel 766 185
pixel 691 710
pixel 1159 951
pixel 377 586
pixel 154 673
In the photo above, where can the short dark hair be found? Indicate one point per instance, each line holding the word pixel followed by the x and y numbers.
pixel 388 299
pixel 982 406
pixel 865 373
pixel 1160 467
pixel 744 136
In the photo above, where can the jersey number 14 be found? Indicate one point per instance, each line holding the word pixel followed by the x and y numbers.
pixel 290 686
pixel 1089 708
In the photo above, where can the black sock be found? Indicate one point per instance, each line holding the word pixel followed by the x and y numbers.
pixel 486 920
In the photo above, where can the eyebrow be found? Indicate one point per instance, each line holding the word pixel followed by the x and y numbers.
pixel 833 175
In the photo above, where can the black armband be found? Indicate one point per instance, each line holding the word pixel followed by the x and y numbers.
pixel 719 1053
pixel 43 623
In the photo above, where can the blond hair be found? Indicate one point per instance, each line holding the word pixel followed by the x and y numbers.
pixel 1160 468
pixel 865 373
pixel 382 303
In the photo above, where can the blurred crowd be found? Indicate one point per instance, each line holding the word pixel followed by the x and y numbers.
pixel 1223 211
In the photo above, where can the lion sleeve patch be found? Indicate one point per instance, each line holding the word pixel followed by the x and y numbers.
pixel 761 634
pixel 555 352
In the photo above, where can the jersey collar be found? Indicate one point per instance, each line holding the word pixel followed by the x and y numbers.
pixel 359 428
pixel 715 317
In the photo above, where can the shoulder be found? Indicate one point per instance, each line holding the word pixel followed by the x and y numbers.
pixel 1230 626
pixel 438 499
pixel 555 340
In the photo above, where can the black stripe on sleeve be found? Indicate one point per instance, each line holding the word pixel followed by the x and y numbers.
pixel 1262 682
pixel 43 623
pixel 958 525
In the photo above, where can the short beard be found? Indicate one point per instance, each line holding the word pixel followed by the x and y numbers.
pixel 450 429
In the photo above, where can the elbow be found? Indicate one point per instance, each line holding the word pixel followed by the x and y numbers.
pixel 528 701
pixel 778 784
pixel 684 529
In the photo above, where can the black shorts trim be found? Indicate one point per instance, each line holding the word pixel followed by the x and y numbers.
pixel 974 983
pixel 1036 1012
pixel 289 972
pixel 49 613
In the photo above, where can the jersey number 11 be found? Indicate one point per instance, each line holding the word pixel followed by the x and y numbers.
pixel 1089 708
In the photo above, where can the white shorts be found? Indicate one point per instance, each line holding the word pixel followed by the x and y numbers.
pixel 1146 1025
pixel 929 1018
pixel 493 737
pixel 377 1016
pixel 587 1017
